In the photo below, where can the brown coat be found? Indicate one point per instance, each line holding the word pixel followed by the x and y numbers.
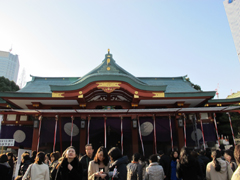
pixel 93 168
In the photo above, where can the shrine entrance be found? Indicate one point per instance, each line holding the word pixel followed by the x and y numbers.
pixel 113 134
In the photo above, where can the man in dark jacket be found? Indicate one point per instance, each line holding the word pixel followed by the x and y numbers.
pixel 134 169
pixel 165 162
pixel 86 159
pixel 118 164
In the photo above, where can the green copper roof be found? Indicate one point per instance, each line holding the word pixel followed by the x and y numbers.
pixel 109 70
pixel 109 67
pixel 2 101
pixel 42 84
pixel 174 84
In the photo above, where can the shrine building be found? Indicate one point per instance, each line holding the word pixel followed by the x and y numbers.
pixel 111 107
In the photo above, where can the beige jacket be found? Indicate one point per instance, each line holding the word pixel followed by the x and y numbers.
pixel 236 174
pixel 224 174
pixel 38 172
pixel 93 168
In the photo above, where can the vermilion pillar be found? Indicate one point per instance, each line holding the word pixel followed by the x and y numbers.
pixel 35 139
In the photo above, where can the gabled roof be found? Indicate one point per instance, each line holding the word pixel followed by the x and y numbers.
pixel 108 70
pixel 42 84
pixel 174 84
pixel 109 67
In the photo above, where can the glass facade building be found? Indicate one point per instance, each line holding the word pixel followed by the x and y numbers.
pixel 232 8
pixel 9 65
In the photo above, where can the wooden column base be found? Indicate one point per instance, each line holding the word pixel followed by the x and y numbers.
pixel 35 139
pixel 82 140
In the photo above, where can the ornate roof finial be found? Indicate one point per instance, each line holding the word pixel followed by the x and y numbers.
pixel 108 51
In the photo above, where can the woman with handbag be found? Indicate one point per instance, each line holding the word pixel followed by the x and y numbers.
pixel 38 170
pixel 218 169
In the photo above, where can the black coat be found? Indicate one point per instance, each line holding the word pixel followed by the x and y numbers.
pixel 85 162
pixel 190 170
pixel 5 171
pixel 11 163
pixel 23 167
pixel 165 162
pixel 63 173
pixel 121 164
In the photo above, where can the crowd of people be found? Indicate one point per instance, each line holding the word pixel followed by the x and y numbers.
pixel 112 165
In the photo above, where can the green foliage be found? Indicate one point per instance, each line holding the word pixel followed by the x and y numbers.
pixel 195 86
pixel 224 124
pixel 7 85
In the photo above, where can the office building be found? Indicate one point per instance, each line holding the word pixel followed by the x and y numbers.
pixel 9 65
pixel 232 8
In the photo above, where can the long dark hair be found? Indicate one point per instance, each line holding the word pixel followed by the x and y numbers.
pixel 40 158
pixel 230 153
pixel 55 155
pixel 105 155
pixel 3 158
pixel 216 154
pixel 65 152
pixel 64 156
pixel 25 157
pixel 115 153
pixel 172 155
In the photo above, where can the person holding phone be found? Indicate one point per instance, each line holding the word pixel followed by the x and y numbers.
pixel 98 167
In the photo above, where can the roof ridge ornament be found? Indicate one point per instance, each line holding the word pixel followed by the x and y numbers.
pixel 108 51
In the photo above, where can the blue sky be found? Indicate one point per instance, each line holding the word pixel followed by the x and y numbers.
pixel 164 38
